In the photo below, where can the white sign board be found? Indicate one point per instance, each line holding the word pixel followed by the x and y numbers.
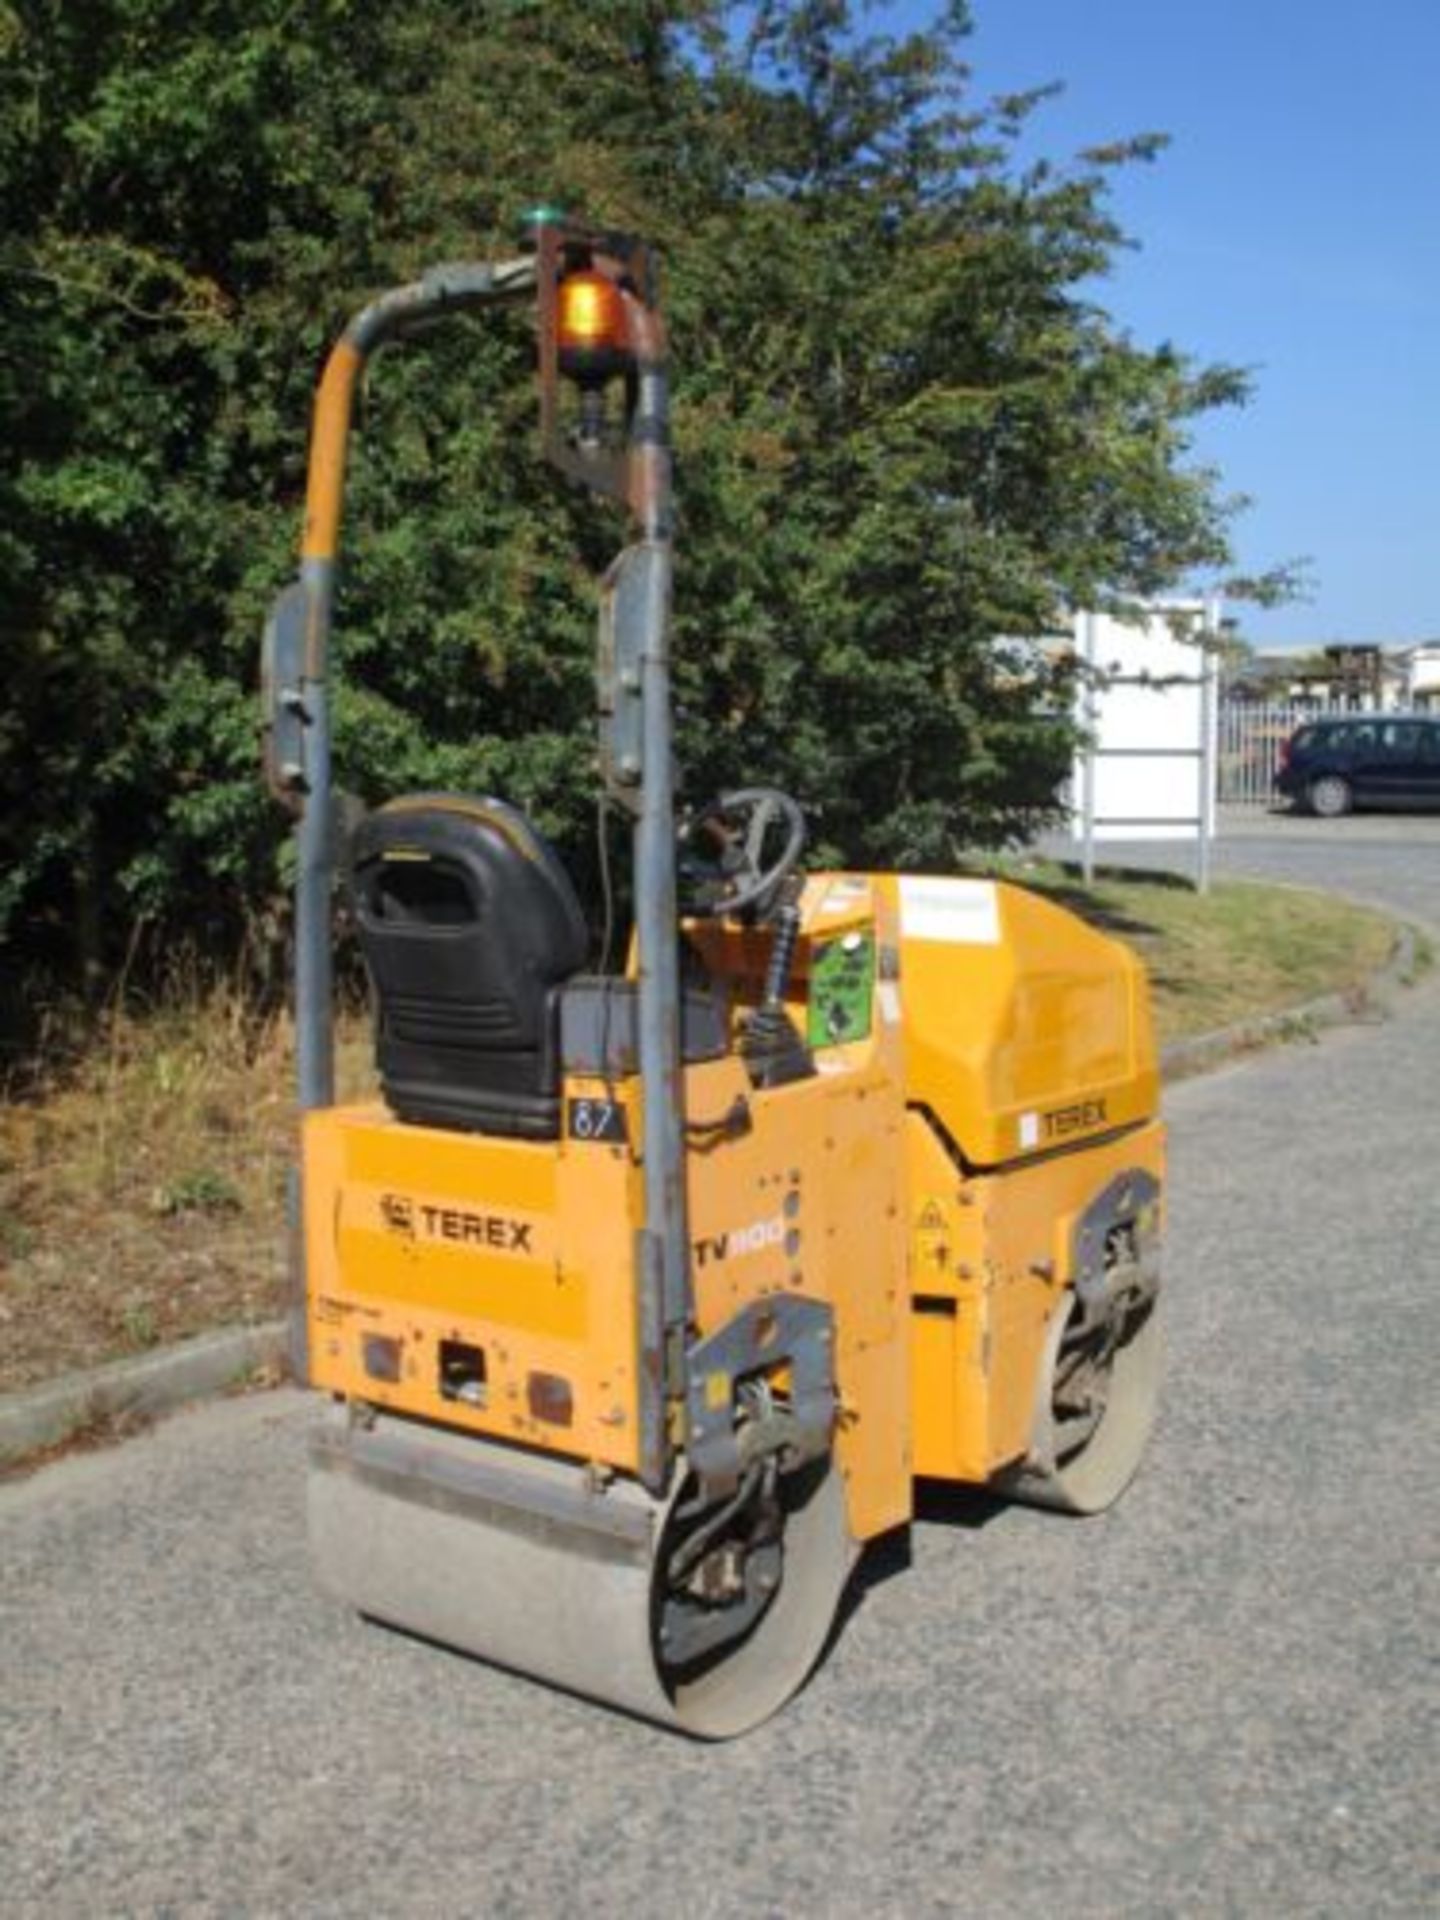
pixel 1147 705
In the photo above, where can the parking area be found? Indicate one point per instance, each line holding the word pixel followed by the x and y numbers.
pixel 1292 828
pixel 1389 860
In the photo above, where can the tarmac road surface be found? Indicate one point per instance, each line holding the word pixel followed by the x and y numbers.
pixel 1219 1699
pixel 1389 860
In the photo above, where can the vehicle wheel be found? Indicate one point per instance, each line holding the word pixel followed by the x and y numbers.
pixel 1102 1379
pixel 797 1560
pixel 1330 796
pixel 706 1621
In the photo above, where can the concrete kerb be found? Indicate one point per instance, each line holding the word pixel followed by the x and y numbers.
pixel 1369 999
pixel 148 1384
pixel 159 1382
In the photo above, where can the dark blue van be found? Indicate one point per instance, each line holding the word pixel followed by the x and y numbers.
pixel 1362 760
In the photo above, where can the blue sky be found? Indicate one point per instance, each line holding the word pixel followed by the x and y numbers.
pixel 1293 227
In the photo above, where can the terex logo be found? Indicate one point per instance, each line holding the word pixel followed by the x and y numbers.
pixel 492 1232
pixel 398 1213
pixel 739 1240
pixel 1077 1119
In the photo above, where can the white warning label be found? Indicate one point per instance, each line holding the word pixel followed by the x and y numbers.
pixel 963 912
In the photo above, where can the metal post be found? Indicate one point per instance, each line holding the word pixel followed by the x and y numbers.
pixel 1205 803
pixel 656 914
pixel 1090 713
pixel 314 881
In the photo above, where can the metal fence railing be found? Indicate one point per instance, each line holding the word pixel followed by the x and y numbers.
pixel 1250 738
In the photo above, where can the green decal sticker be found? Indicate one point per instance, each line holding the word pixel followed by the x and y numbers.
pixel 842 986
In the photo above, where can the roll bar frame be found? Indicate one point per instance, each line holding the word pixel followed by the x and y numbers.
pixel 635 654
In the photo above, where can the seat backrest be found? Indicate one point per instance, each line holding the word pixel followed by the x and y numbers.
pixel 469 925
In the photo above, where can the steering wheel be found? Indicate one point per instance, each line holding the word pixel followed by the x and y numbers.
pixel 737 849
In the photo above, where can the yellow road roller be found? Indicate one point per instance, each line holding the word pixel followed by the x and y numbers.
pixel 641 1299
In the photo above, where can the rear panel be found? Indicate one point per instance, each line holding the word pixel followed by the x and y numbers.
pixel 481 1282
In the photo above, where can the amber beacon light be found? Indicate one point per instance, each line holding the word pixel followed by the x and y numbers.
pixel 591 330
pixel 592 346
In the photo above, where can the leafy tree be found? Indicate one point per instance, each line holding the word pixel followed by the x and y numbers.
pixel 903 432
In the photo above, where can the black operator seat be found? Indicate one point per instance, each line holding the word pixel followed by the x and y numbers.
pixel 469 926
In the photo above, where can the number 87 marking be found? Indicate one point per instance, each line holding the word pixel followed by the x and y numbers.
pixel 596 1120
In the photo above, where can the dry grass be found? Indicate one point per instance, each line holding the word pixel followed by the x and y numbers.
pixel 142 1182
pixel 142 1185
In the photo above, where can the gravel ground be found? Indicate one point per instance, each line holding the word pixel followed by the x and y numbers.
pixel 1219 1699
